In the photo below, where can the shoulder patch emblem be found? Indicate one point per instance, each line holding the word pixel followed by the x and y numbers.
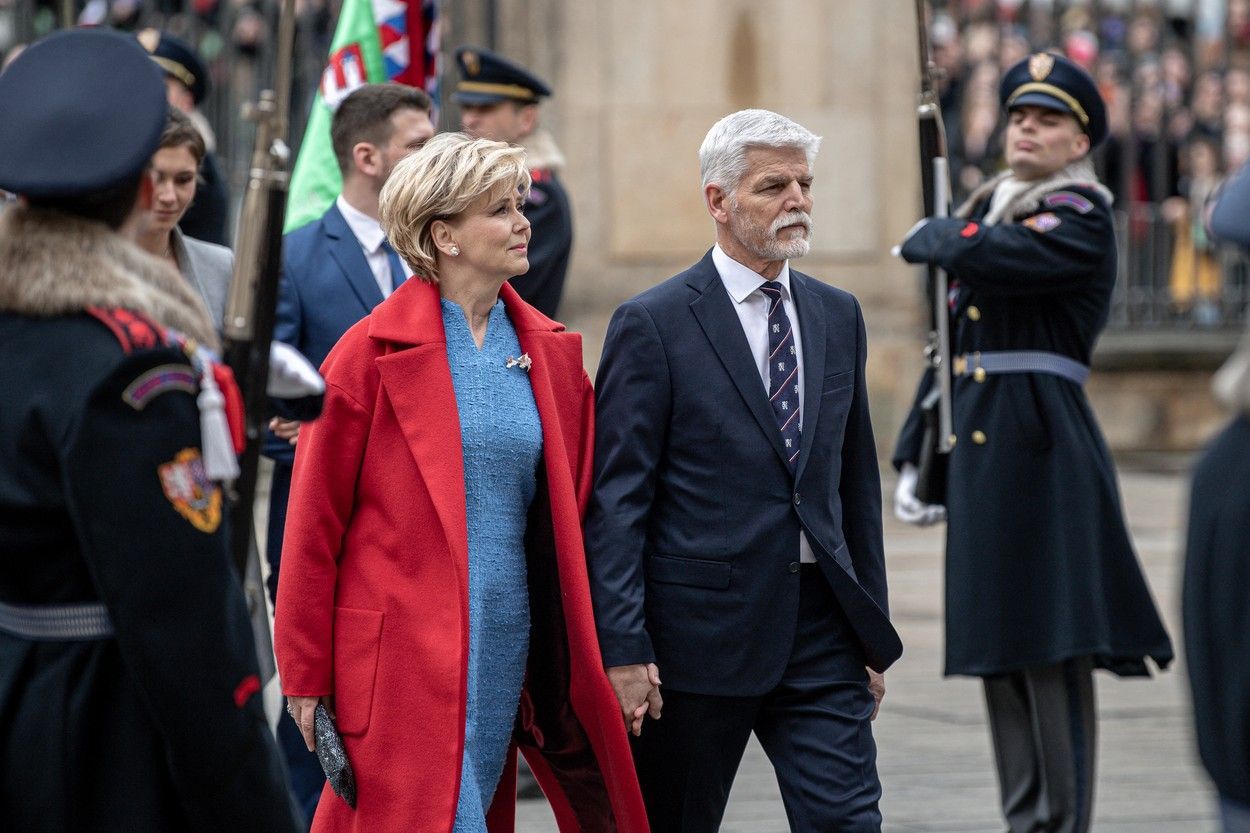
pixel 969 230
pixel 187 487
pixel 133 330
pixel 159 380
pixel 1042 223
pixel 1070 200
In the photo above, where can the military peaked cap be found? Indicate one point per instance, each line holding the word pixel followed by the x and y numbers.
pixel 486 78
pixel 1054 82
pixel 178 59
pixel 83 110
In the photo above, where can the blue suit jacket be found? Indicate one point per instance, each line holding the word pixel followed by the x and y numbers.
pixel 693 530
pixel 327 286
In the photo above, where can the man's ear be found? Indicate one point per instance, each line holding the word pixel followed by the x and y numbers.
pixel 527 118
pixel 366 159
pixel 717 199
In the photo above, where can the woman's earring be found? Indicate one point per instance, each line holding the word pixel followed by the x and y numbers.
pixel 455 250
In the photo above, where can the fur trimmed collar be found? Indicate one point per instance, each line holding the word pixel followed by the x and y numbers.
pixel 1079 173
pixel 55 264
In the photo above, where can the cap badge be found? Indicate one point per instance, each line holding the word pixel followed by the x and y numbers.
pixel 1040 65
pixel 149 39
pixel 472 63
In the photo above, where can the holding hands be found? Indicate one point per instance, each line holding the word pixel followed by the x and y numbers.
pixel 637 689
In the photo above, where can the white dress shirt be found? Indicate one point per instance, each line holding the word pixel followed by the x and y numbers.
pixel 743 286
pixel 369 235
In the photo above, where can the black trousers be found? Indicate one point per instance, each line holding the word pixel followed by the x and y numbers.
pixel 814 726
pixel 1042 724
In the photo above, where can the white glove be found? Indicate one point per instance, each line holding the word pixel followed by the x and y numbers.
pixel 291 376
pixel 907 507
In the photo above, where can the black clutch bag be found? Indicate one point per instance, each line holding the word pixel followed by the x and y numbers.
pixel 333 756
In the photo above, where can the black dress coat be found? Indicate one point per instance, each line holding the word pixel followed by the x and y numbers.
pixel 1039 567
pixel 161 727
pixel 1217 608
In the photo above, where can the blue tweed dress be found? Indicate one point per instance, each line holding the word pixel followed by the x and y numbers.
pixel 502 439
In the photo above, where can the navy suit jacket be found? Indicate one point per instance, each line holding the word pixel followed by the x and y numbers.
pixel 327 286
pixel 692 534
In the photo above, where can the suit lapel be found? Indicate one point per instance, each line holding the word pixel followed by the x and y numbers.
pixel 346 251
pixel 715 313
pixel 812 330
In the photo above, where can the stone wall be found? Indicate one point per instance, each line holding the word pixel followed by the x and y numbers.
pixel 637 86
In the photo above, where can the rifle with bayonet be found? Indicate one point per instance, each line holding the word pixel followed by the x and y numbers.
pixel 251 306
pixel 939 436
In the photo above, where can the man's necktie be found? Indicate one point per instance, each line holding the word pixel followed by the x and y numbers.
pixel 398 272
pixel 783 371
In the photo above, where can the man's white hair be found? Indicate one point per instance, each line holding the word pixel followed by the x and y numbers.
pixel 723 154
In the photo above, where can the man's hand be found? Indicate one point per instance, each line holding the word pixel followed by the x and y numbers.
pixel 637 689
pixel 286 429
pixel 301 710
pixel 876 685
pixel 910 509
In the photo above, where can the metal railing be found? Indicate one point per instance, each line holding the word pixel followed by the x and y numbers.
pixel 1171 281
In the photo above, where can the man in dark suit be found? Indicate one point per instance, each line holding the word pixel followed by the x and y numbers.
pixel 335 271
pixel 734 534
pixel 499 100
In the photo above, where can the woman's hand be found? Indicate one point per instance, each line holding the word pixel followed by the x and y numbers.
pixel 301 710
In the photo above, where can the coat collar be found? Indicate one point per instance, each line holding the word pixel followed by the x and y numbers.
pixel 417 380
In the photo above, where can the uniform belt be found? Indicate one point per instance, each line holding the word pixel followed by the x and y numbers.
pixel 1020 361
pixel 51 623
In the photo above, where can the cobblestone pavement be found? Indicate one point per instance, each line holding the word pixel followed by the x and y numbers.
pixel 934 753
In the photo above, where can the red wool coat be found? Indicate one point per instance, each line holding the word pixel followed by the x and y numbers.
pixel 373 600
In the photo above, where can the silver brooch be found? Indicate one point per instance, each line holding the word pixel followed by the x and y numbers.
pixel 522 362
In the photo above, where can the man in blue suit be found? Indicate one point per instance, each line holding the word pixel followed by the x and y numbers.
pixel 734 534
pixel 335 271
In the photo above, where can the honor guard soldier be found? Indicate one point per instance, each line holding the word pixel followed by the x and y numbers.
pixel 499 100
pixel 1042 585
pixel 129 684
pixel 1217 564
pixel 186 85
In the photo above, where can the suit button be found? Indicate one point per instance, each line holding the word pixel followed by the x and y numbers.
pixel 794 566
pixel 798 498
pixel 974 314
pixel 979 375
pixel 979 437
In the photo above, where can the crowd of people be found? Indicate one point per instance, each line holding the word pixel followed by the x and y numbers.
pixel 1179 124
pixel 479 554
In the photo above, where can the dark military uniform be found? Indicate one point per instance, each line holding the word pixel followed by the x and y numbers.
pixel 1039 566
pixel 129 695
pixel 1042 584
pixel 551 242
pixel 487 79
pixel 1217 564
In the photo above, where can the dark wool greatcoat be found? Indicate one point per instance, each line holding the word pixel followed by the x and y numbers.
pixel 373 600
pixel 102 500
pixel 1217 608
pixel 1039 567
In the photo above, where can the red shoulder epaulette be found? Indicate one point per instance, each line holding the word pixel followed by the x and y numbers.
pixel 134 330
pixel 539 175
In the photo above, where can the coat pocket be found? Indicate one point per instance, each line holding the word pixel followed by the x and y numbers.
pixel 692 572
pixel 357 638
pixel 836 382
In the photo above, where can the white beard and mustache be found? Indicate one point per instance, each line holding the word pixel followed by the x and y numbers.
pixel 763 243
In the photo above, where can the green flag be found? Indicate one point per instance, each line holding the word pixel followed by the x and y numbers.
pixel 355 60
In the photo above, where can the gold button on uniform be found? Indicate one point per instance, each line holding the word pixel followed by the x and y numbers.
pixel 978 437
pixel 974 313
pixel 979 374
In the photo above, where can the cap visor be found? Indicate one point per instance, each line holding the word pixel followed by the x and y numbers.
pixel 479 98
pixel 1037 99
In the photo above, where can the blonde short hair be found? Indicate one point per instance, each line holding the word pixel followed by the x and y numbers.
pixel 442 179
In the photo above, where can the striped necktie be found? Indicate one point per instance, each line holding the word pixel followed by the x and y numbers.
pixel 783 371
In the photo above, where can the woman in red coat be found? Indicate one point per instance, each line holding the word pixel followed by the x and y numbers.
pixel 433 590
